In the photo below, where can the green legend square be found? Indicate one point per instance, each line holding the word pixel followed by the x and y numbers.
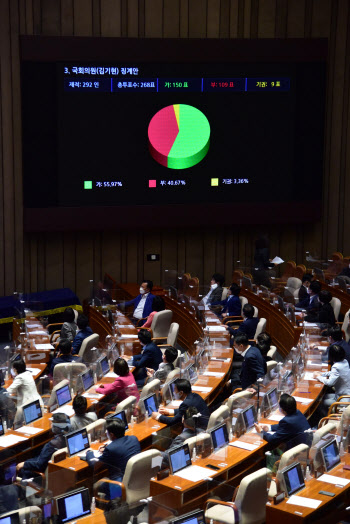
pixel 87 184
pixel 214 181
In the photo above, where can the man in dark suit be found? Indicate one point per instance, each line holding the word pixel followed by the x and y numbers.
pixel 303 290
pixel 253 365
pixel 116 454
pixel 249 324
pixel 142 303
pixel 183 392
pixel 232 305
pixel 291 429
pixel 64 349
pixel 215 293
pixel 311 302
pixel 335 336
pixel 325 313
pixel 84 331
pixel 150 357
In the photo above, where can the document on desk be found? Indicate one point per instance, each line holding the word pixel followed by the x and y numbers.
pixel 213 374
pixel 310 324
pixel 276 417
pixel 39 332
pixel 243 445
pixel 128 336
pixel 195 473
pixel 303 400
pixel 176 403
pixel 201 389
pixel 216 320
pixel 111 374
pixel 216 328
pixel 29 430
pixel 34 371
pixel 309 376
pixel 68 410
pixel 9 440
pixel 92 395
pixel 221 359
pixel 304 502
pixel 44 346
pixel 333 480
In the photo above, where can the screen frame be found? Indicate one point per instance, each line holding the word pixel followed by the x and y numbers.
pixel 67 495
pixel 194 514
pixel 29 404
pixel 244 418
pixel 155 401
pixel 176 450
pixel 213 430
pixel 300 474
pixel 328 444
pixel 59 389
pixel 72 434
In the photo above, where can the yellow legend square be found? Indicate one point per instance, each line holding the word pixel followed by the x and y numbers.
pixel 214 181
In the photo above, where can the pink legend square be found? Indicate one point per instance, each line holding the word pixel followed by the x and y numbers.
pixel 152 183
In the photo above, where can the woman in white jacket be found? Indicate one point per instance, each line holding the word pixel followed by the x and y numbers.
pixel 23 387
pixel 338 376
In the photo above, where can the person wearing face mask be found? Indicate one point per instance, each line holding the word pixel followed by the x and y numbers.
pixel 303 290
pixel 215 293
pixel 84 331
pixel 142 303
pixel 150 357
pixel 253 365
pixel 291 429
pixel 23 386
pixel 183 392
pixel 116 453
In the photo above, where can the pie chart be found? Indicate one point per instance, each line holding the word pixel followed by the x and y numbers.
pixel 178 136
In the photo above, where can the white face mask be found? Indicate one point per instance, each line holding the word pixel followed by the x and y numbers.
pixel 177 396
pixel 213 286
pixel 308 291
pixel 13 373
pixel 142 291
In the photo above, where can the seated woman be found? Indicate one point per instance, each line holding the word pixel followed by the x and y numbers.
pixel 69 328
pixel 158 304
pixel 264 344
pixel 123 386
pixel 232 305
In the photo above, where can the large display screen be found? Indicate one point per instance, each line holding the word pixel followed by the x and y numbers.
pixel 171 132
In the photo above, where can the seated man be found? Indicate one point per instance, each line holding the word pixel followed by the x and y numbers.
pixel 81 418
pixel 305 284
pixel 169 356
pixel 84 331
pixel 253 365
pixel 183 392
pixel 290 429
pixel 335 336
pixel 215 293
pixel 190 429
pixel 60 425
pixel 64 350
pixel 249 324
pixel 325 314
pixel 150 357
pixel 116 454
pixel 311 302
pixel 142 303
pixel 232 304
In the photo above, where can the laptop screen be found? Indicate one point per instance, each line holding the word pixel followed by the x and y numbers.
pixel 32 412
pixel 120 415
pixel 104 365
pixel 63 395
pixel 272 398
pixel 77 441
pixel 293 478
pixel 330 455
pixel 171 386
pixel 73 505
pixel 150 404
pixel 179 458
pixel 11 519
pixel 195 517
pixel 219 437
pixel 249 417
pixel 88 379
pixel 192 374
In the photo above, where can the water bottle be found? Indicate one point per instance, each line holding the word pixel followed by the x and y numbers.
pixel 93 505
pixel 308 475
pixel 4 426
pixel 194 454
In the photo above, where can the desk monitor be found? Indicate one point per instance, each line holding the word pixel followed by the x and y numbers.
pixel 330 455
pixel 171 386
pixel 195 517
pixel 47 510
pixel 121 415
pixel 249 417
pixel 2 377
pixel 11 519
pixel 77 441
pixel 73 505
pixel 1 427
pixel 150 403
pixel 16 356
pixel 179 458
pixel 9 473
pixel 272 398
pixel 104 364
pixel 63 395
pixel 88 379
pixel 192 374
pixel 219 436
pixel 32 411
pixel 293 478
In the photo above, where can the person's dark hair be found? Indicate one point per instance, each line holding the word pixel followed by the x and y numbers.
pixel 248 311
pixel 121 367
pixel 183 385
pixel 241 338
pixel 262 242
pixel 158 304
pixel 336 333
pixel 264 343
pixel 336 353
pixel 288 404
pixel 235 289
pixel 117 427
pixel 145 336
pixel 149 284
pixel 68 315
pixel 307 277
pixel 220 279
pixel 315 287
pixel 79 405
pixel 19 366
pixel 170 354
pixel 324 296
pixel 188 416
pixel 65 346
pixel 82 322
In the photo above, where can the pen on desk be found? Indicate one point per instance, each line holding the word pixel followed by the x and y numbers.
pixel 304 391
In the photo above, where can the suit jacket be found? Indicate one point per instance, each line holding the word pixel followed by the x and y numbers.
pixel 116 455
pixel 192 399
pixel 147 308
pixel 290 429
pixel 150 357
pixel 248 327
pixel 40 462
pixel 325 315
pixel 215 296
pixel 232 305
pixel 253 367
pixel 78 339
pixel 311 304
pixel 63 359
pixel 303 294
